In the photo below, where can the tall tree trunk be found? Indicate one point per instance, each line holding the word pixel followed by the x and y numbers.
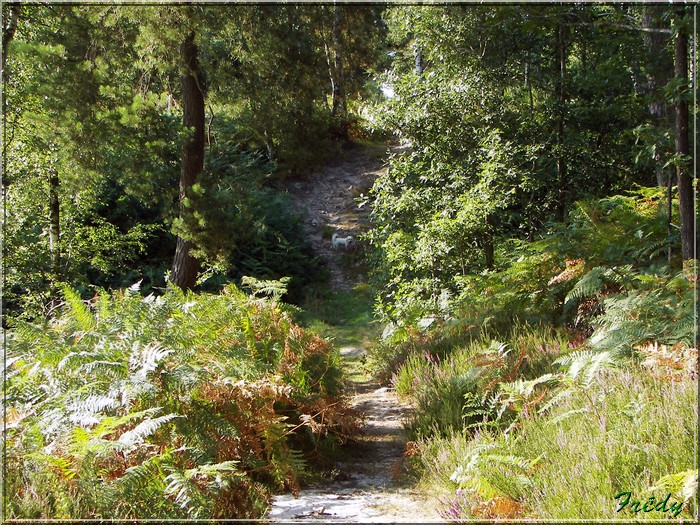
pixel 659 72
pixel 339 108
pixel 685 182
pixel 561 116
pixel 331 73
pixel 54 223
pixel 419 60
pixel 8 31
pixel 488 244
pixel 185 266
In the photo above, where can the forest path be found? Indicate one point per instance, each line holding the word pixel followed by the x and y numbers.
pixel 326 198
pixel 365 484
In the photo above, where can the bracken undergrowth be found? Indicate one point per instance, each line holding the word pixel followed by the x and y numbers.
pixel 176 406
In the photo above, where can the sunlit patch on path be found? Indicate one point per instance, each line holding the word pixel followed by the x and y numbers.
pixel 363 488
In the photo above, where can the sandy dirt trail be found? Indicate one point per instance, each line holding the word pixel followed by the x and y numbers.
pixel 327 200
pixel 363 487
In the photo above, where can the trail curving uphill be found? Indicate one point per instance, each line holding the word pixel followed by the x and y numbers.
pixel 364 487
pixel 327 200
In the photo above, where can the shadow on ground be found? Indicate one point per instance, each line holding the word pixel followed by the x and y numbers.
pixel 364 487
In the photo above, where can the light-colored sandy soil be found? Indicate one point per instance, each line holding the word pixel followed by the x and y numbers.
pixel 364 487
pixel 327 198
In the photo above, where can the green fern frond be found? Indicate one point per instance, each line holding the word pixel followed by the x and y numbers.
pixel 187 492
pixel 475 406
pixel 651 249
pixel 184 492
pixel 522 389
pixel 274 289
pixel 86 393
pixel 82 443
pixel 185 376
pixel 492 474
pixel 556 399
pixel 148 426
pixel 79 311
pixel 104 306
pixel 660 309
pixel 145 359
pixel 210 470
pixel 111 369
pixel 566 415
pixel 591 283
pixel 81 357
pixel 682 484
pixel 135 288
pixel 594 282
pixel 583 366
pixel 60 465
pixel 567 359
pixel 138 477
pixel 109 424
pixel 479 484
pixel 511 461
pixel 6 365
pixel 83 412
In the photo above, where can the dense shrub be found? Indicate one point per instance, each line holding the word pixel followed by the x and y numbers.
pixel 562 378
pixel 124 230
pixel 243 225
pixel 531 279
pixel 178 406
pixel 622 430
pixel 461 389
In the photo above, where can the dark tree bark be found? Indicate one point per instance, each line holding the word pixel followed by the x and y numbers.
pixel 331 74
pixel 185 266
pixel 8 31
pixel 339 108
pixel 659 72
pixel 488 244
pixel 54 223
pixel 561 116
pixel 685 182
